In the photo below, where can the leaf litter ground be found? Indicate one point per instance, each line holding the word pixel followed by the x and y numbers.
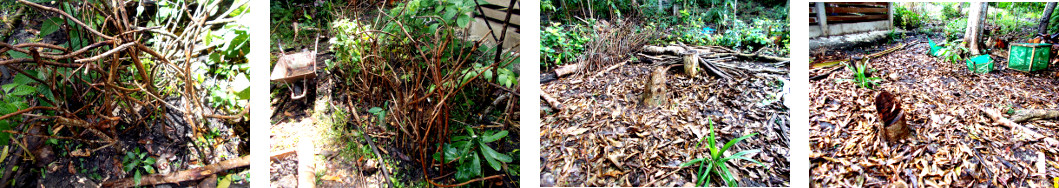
pixel 953 142
pixel 605 138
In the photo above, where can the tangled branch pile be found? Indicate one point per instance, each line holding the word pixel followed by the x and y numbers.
pixel 118 66
pixel 415 64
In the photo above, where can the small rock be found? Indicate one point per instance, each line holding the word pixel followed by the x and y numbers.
pixel 547 180
pixel 369 166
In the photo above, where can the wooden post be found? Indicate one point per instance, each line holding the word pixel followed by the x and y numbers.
pixel 691 63
pixel 890 14
pixel 821 17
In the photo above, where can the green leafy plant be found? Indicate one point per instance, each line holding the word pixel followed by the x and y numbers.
pixel 714 163
pixel 907 19
pixel 348 44
pixel 560 45
pixel 138 163
pixel 380 112
pixel 952 52
pixel 860 75
pixel 468 150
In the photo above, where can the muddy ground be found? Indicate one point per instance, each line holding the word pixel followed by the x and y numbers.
pixel 953 142
pixel 604 137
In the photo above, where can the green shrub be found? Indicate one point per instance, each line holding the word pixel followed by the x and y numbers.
pixel 907 19
pixel 348 44
pixel 951 10
pixel 955 29
pixel 559 45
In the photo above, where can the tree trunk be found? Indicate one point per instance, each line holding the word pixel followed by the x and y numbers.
pixel 1046 18
pixel 974 26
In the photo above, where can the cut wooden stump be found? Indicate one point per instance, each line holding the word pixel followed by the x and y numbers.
pixel 691 63
pixel 1033 114
pixel 655 87
pixel 891 117
pixel 182 176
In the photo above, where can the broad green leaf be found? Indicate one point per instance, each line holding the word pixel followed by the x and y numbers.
pixel 4 136
pixel 23 90
pixel 375 110
pixel 149 169
pixel 17 55
pixel 463 20
pixel 449 14
pixel 7 87
pixel 49 26
pixel 136 177
pixel 131 166
pixel 451 153
pixel 494 137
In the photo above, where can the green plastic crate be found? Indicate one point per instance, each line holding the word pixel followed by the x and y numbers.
pixel 980 64
pixel 1028 57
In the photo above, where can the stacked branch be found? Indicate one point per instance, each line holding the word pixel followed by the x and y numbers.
pixel 613 43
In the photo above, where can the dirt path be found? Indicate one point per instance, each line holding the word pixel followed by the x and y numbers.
pixel 607 139
pixel 310 119
pixel 953 143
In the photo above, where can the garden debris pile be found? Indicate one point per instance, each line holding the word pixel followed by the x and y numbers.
pixel 603 137
pixel 953 143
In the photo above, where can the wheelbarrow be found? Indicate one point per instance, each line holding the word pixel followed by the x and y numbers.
pixel 291 68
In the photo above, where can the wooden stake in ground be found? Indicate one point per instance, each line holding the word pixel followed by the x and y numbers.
pixel 691 63
pixel 655 87
pixel 182 176
pixel 306 177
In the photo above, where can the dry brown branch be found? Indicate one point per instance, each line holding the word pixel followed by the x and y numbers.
pixel 182 176
pixel 105 54
pixel 1028 134
pixel 612 67
pixel 552 101
pixel 275 156
pixel 1034 114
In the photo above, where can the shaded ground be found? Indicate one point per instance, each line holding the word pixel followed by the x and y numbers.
pixel 953 143
pixel 607 139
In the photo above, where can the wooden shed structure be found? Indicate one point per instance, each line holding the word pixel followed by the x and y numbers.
pixel 491 16
pixel 836 18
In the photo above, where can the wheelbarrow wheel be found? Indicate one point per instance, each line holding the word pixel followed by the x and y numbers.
pixel 300 96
